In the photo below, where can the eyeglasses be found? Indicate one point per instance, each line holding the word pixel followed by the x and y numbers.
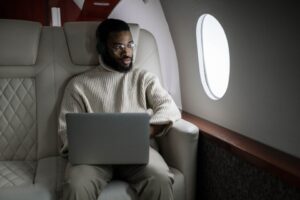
pixel 121 47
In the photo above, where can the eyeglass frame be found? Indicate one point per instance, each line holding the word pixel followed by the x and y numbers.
pixel 117 48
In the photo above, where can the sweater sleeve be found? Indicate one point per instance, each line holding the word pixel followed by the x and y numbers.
pixel 71 103
pixel 164 108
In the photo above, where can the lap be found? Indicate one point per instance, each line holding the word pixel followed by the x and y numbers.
pixel 156 167
pixel 88 172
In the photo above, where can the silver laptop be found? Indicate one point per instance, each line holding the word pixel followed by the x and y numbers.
pixel 108 138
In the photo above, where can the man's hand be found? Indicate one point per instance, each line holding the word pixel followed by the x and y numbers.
pixel 156 129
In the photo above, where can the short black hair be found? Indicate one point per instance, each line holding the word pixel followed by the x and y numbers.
pixel 105 28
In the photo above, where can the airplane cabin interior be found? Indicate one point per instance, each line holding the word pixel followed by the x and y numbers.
pixel 238 137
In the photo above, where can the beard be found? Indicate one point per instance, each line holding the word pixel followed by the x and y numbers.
pixel 111 62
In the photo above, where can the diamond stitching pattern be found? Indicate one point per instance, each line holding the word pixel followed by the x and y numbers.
pixel 15 173
pixel 17 119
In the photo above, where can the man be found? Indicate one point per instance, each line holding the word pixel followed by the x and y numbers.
pixel 116 86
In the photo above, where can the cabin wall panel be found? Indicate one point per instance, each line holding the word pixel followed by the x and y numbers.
pixel 262 101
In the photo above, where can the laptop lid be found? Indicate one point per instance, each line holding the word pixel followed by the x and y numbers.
pixel 108 138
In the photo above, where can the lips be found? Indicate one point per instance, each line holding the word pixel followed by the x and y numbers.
pixel 126 60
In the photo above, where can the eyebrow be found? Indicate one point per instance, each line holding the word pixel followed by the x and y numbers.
pixel 122 43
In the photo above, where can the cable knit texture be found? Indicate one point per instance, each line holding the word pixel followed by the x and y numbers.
pixel 104 90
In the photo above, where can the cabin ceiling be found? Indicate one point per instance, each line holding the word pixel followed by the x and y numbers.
pixel 70 10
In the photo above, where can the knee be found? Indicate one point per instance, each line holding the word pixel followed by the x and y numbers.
pixel 75 187
pixel 158 179
pixel 157 186
pixel 161 180
pixel 76 183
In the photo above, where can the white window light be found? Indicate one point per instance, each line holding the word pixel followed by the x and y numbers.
pixel 213 56
pixel 55 13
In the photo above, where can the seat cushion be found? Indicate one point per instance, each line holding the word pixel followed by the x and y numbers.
pixel 16 173
pixel 26 192
pixel 178 185
pixel 28 180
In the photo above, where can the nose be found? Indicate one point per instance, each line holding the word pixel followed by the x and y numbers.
pixel 126 51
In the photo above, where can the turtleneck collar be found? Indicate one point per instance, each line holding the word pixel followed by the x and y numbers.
pixel 103 66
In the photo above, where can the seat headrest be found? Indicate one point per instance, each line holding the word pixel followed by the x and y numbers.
pixel 81 39
pixel 19 42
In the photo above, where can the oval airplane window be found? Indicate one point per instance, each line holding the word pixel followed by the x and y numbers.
pixel 213 56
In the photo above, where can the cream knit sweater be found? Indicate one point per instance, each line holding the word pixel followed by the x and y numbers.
pixel 104 90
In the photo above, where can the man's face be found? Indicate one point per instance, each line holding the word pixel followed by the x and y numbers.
pixel 119 51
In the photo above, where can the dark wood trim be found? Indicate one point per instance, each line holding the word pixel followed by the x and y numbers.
pixel 282 165
pixel 32 10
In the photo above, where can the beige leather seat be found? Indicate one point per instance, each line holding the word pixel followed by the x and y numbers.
pixel 29 164
pixel 35 64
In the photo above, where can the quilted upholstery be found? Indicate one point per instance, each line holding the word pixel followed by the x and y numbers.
pixel 16 173
pixel 17 119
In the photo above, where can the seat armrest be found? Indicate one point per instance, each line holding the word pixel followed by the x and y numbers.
pixel 179 149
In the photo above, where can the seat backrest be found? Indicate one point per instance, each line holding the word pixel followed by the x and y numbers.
pixel 26 91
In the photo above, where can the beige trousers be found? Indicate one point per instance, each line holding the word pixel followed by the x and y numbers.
pixel 150 182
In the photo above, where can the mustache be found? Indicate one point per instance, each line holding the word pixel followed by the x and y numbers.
pixel 125 57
